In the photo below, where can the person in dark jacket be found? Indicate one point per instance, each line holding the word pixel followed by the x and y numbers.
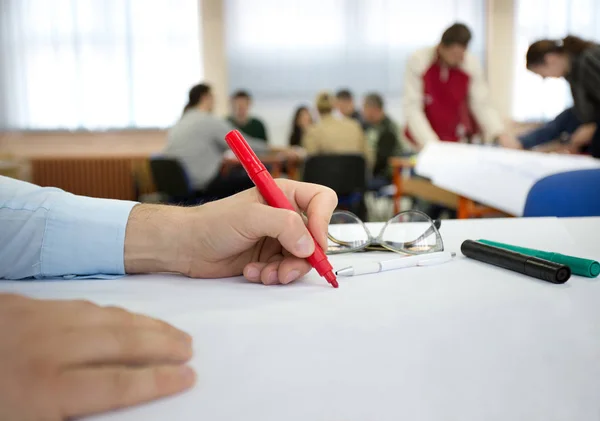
pixel 382 136
pixel 578 61
pixel 241 119
pixel 345 106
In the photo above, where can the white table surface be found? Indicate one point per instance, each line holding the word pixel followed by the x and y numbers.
pixel 460 341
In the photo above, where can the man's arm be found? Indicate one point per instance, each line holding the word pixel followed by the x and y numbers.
pixel 413 102
pixel 479 102
pixel 222 127
pixel 46 232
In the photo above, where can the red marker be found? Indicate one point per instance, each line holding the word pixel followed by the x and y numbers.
pixel 274 196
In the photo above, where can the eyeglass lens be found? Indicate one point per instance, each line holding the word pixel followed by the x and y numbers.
pixel 411 232
pixel 346 232
pixel 408 232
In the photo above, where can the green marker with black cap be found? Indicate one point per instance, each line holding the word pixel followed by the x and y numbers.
pixel 582 267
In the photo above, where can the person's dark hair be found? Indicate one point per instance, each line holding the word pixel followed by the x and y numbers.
pixel 458 33
pixel 241 94
pixel 195 95
pixel 375 100
pixel 344 94
pixel 572 45
pixel 296 134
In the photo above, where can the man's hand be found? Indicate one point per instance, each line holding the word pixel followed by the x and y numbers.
pixel 66 359
pixel 581 137
pixel 508 141
pixel 233 236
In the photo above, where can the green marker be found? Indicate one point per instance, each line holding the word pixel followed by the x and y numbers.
pixel 582 267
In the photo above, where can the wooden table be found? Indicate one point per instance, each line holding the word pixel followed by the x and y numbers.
pixel 424 189
pixel 275 162
pixel 9 169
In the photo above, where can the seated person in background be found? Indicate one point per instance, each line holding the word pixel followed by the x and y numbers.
pixel 344 103
pixel 578 61
pixel 382 138
pixel 197 140
pixel 242 120
pixel 333 135
pixel 444 89
pixel 302 120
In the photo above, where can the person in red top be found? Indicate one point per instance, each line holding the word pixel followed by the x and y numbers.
pixel 446 97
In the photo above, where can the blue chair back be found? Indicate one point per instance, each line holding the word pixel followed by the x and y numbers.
pixel 573 193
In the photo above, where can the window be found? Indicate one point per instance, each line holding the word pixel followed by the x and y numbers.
pixel 96 64
pixel 284 52
pixel 534 98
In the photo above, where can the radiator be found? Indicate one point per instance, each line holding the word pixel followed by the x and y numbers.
pixel 107 177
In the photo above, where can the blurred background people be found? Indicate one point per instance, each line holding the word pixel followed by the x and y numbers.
pixel 382 139
pixel 331 135
pixel 300 123
pixel 240 117
pixel 445 94
pixel 197 141
pixel 578 61
pixel 344 103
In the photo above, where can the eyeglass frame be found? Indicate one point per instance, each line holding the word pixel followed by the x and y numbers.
pixel 376 243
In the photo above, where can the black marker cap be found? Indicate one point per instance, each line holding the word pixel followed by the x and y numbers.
pixel 517 262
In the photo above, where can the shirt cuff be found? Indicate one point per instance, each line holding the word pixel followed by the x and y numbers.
pixel 84 237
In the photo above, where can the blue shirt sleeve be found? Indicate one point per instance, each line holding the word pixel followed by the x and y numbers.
pixel 48 233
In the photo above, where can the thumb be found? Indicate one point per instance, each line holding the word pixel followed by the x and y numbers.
pixel 285 225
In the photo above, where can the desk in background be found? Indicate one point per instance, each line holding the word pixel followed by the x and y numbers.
pixel 275 163
pixel 9 169
pixel 461 341
pixel 424 189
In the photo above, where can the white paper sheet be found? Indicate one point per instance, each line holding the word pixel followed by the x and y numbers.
pixel 500 178
pixel 460 341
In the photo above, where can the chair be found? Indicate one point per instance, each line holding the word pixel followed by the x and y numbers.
pixel 172 181
pixel 344 174
pixel 573 193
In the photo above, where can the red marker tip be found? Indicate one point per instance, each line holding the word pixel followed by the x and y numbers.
pixel 331 279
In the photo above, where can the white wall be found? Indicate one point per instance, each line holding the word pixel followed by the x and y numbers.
pixel 500 53
pixel 213 50
pixel 500 47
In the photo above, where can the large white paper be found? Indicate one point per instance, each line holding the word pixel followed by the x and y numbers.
pixel 500 178
pixel 459 341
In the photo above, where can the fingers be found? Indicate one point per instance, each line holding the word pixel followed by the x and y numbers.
pixel 90 315
pixel 258 220
pixel 283 271
pixel 317 201
pixel 122 345
pixel 122 317
pixel 91 390
pixel 292 268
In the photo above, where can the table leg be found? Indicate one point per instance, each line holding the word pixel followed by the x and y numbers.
pixel 464 208
pixel 292 169
pixel 397 177
pixel 276 170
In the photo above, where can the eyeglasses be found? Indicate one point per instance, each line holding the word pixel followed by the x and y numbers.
pixel 410 232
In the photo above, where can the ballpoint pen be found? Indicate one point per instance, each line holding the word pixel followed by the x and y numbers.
pixel 428 259
pixel 274 196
